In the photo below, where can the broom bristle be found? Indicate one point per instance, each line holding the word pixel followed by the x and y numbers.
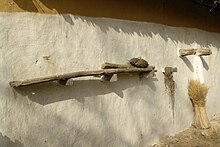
pixel 197 92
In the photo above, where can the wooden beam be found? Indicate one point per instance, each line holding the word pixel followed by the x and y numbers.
pixel 186 52
pixel 203 52
pixel 198 52
pixel 79 74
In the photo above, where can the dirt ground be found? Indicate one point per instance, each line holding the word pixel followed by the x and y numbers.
pixel 193 137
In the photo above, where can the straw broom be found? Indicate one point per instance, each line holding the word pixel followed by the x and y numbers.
pixel 197 93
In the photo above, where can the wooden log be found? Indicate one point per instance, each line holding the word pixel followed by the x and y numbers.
pixel 186 52
pixel 80 74
pixel 203 52
pixel 113 65
pixel 198 52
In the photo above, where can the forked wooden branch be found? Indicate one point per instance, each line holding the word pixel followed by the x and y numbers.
pixel 80 74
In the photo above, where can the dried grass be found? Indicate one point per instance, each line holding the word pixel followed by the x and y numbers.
pixel 197 92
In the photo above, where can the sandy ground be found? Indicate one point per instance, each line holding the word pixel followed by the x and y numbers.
pixel 193 137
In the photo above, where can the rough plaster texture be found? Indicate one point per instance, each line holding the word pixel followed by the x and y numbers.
pixel 89 113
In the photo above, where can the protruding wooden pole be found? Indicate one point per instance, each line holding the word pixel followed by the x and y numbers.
pixel 80 74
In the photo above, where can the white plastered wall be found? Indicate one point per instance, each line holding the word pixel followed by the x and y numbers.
pixel 125 113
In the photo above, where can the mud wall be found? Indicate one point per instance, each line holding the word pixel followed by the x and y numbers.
pixel 127 112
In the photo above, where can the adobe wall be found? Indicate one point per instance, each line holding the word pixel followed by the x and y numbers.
pixel 125 113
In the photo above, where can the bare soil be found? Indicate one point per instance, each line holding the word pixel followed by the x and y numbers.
pixel 193 137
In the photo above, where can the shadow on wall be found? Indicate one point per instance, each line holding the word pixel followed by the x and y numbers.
pixel 167 12
pixel 177 35
pixel 6 142
pixel 190 65
pixel 80 89
pixel 186 36
pixel 49 93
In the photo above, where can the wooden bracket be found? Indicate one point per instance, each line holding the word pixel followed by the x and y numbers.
pixel 169 69
pixel 106 77
pixel 198 52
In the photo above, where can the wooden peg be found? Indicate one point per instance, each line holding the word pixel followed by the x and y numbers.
pixel 169 69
